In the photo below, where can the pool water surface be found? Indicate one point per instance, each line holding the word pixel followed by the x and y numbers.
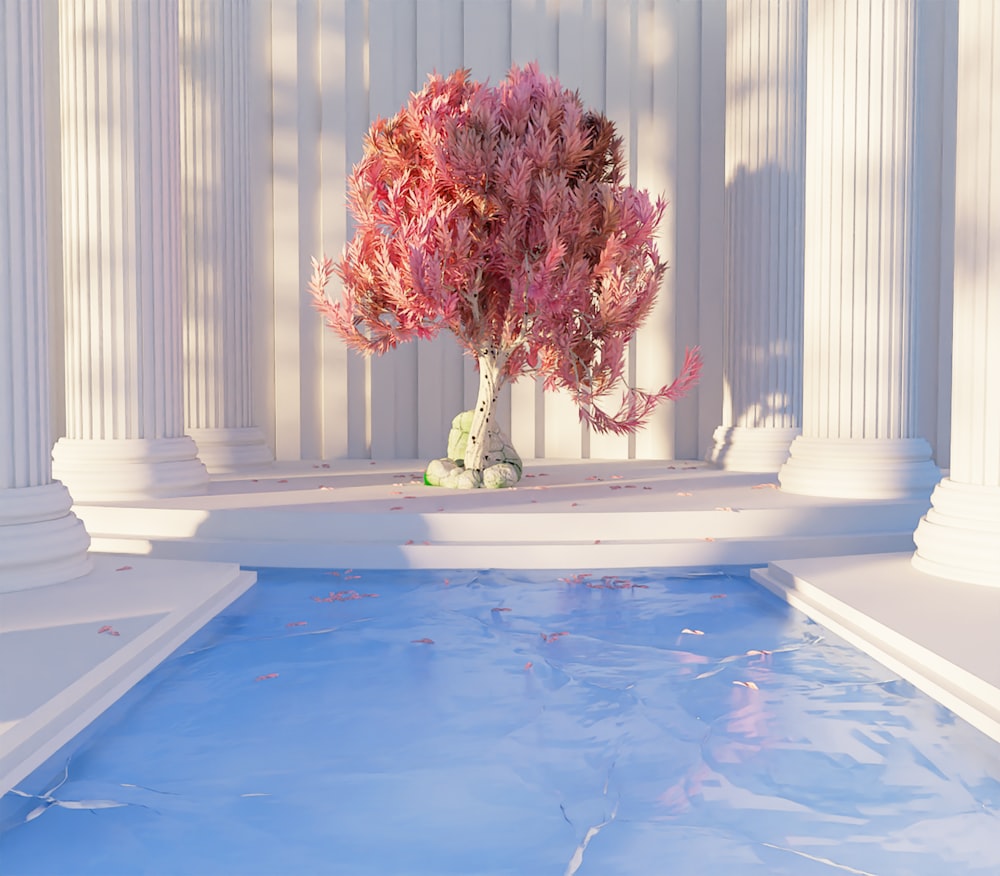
pixel 426 722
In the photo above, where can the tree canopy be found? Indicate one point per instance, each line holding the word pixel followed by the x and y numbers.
pixel 500 214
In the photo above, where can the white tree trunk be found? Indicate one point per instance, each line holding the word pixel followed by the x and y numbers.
pixel 485 442
pixel 479 453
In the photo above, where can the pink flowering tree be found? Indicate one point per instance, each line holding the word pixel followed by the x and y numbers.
pixel 499 214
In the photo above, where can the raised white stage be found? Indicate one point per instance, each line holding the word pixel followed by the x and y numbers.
pixel 846 563
pixel 579 513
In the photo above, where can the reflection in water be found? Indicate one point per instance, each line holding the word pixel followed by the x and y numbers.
pixel 460 722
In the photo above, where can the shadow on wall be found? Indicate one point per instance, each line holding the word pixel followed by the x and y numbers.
pixel 764 298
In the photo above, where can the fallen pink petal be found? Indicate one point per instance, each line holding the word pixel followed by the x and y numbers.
pixel 551 637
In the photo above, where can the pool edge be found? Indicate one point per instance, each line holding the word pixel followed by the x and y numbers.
pixel 905 619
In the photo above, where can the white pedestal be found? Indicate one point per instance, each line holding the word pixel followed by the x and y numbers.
pixel 41 541
pixel 225 451
pixel 742 448
pixel 860 468
pixel 960 536
pixel 126 470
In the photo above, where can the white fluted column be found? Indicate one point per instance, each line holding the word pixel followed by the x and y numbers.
pixel 959 538
pixel 121 243
pixel 859 437
pixel 765 170
pixel 215 173
pixel 41 541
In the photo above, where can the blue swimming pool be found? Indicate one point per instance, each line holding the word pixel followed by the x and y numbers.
pixel 339 722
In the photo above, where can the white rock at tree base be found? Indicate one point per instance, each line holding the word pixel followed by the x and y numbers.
pixel 450 471
pixel 503 474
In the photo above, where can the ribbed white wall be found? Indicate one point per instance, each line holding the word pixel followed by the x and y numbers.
pixel 765 181
pixel 861 330
pixel 217 227
pixel 337 64
pixel 960 536
pixel 120 138
pixel 318 72
pixel 41 541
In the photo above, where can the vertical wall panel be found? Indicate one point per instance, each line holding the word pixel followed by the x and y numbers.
pixel 621 43
pixel 356 121
pixel 441 365
pixel 657 132
pixel 582 54
pixel 392 68
pixel 309 179
pixel 286 245
pixel 681 417
pixel 262 219
pixel 937 62
pixel 339 395
pixel 534 36
pixel 701 411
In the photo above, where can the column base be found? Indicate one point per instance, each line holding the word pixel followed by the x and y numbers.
pixel 860 468
pixel 42 542
pixel 959 537
pixel 129 469
pixel 232 450
pixel 744 448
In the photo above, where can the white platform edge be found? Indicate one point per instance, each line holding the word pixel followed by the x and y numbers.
pixel 967 694
pixel 37 736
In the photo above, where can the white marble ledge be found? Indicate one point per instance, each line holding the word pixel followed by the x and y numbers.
pixel 70 650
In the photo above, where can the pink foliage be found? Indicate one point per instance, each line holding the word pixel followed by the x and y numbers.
pixel 499 213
